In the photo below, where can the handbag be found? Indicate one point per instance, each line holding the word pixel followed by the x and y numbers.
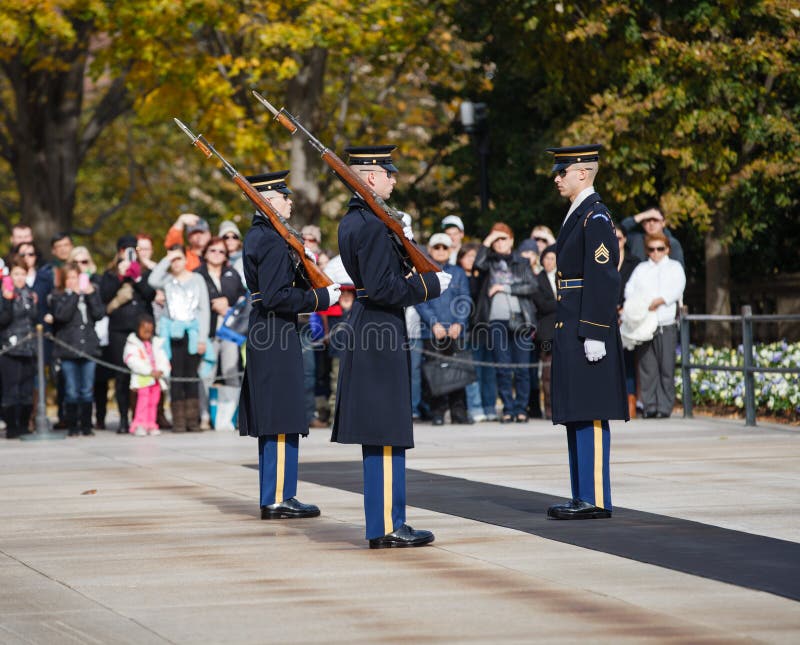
pixel 444 375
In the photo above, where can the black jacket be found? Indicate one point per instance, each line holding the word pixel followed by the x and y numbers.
pixel 17 320
pixel 545 301
pixel 125 318
pixel 73 327
pixel 522 287
pixel 231 287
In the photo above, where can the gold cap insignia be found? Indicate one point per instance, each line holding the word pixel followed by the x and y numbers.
pixel 601 254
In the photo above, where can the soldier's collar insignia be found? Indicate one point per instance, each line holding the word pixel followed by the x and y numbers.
pixel 601 254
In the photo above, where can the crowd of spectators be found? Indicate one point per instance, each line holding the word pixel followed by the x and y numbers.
pixel 157 328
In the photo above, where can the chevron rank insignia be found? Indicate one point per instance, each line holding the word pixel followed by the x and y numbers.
pixel 601 254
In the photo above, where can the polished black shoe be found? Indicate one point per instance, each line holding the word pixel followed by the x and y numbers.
pixel 577 510
pixel 438 421
pixel 288 509
pixel 662 415
pixel 402 538
pixel 649 415
pixel 463 421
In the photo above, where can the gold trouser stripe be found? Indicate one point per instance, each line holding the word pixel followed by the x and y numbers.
pixel 598 465
pixel 281 468
pixel 387 490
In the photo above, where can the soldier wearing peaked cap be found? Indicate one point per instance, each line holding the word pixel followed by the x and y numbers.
pixel 588 374
pixel 272 405
pixel 373 397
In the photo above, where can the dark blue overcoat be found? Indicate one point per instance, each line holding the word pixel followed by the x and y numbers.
pixel 587 249
pixel 373 397
pixel 273 399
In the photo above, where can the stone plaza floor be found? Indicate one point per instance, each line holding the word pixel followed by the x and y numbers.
pixel 121 539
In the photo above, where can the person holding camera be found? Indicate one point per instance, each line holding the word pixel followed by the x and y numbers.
pixel 18 316
pixel 505 304
pixel 127 295
pixel 185 323
pixel 75 309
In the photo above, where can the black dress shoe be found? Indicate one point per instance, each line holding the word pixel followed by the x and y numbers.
pixel 649 415
pixel 577 510
pixel 463 421
pixel 438 421
pixel 402 538
pixel 662 415
pixel 288 509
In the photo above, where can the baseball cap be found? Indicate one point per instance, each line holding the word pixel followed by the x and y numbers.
pixel 453 220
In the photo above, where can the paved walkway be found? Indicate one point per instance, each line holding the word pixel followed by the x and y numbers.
pixel 117 539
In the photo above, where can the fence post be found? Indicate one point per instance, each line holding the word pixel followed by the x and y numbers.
pixel 749 379
pixel 686 373
pixel 44 430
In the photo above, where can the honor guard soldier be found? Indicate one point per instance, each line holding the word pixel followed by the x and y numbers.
pixel 373 398
pixel 272 403
pixel 588 373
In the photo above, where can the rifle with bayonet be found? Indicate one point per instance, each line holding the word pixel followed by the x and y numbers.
pixel 316 278
pixel 388 215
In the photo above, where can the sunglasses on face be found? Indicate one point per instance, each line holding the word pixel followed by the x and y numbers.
pixel 389 173
pixel 653 249
pixel 230 236
pixel 541 239
pixel 440 247
pixel 82 261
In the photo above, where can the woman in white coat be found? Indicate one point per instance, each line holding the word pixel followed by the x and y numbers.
pixel 662 281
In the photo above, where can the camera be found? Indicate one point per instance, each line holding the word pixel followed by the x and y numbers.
pixel 130 254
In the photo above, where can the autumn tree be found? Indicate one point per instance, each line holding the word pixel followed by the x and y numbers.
pixel 89 89
pixel 697 103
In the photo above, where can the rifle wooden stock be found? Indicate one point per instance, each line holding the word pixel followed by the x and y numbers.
pixel 417 258
pixel 316 277
pixel 383 211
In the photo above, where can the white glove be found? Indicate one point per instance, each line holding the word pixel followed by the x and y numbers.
pixel 310 255
pixel 334 291
pixel 594 349
pixel 444 280
pixel 408 233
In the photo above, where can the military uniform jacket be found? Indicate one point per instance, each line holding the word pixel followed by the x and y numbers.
pixel 587 250
pixel 373 397
pixel 272 400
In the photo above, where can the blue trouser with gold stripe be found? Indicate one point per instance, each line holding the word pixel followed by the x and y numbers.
pixel 384 489
pixel 277 467
pixel 589 444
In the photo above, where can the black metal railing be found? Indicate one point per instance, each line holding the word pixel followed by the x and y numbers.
pixel 749 368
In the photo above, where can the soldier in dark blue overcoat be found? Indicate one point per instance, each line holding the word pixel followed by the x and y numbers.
pixel 373 397
pixel 588 372
pixel 272 403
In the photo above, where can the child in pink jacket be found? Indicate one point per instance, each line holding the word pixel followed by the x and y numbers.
pixel 145 356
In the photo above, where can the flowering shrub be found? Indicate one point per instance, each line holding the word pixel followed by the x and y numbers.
pixel 775 394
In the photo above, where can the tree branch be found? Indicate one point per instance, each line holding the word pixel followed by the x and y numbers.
pixel 123 201
pixel 115 102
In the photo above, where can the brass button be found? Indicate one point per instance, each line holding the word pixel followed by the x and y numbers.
pixel 559 274
pixel 559 297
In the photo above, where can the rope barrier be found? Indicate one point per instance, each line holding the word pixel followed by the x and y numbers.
pixel 25 340
pixel 468 361
pixel 125 370
pixel 222 379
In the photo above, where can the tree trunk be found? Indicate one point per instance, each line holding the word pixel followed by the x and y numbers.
pixel 718 279
pixel 45 147
pixel 303 100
